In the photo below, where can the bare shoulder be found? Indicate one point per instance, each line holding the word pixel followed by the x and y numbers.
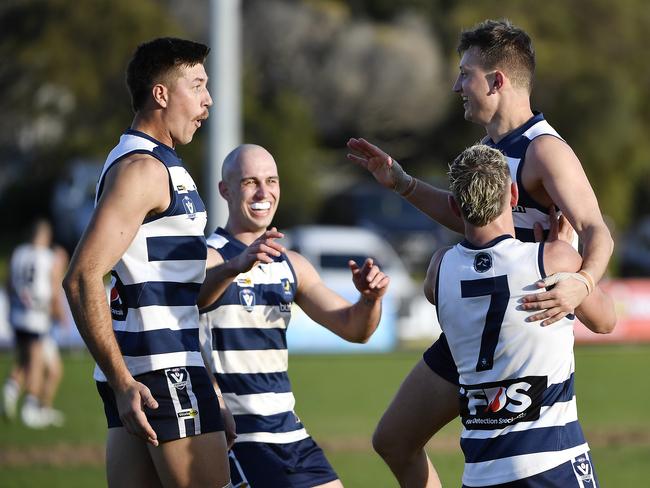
pixel 214 258
pixel 140 180
pixel 548 150
pixel 561 256
pixel 432 274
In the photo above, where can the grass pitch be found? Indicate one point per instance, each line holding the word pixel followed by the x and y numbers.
pixel 340 399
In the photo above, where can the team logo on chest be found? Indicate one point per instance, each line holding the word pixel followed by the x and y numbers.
pixel 482 262
pixel 177 377
pixel 286 287
pixel 247 299
pixel 190 210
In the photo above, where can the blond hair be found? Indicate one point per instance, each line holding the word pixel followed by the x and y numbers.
pixel 479 179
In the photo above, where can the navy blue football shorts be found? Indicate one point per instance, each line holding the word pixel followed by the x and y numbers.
pixel 577 473
pixel 300 464
pixel 187 403
pixel 438 357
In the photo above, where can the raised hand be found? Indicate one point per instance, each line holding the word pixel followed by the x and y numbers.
pixel 371 282
pixel 372 158
pixel 261 250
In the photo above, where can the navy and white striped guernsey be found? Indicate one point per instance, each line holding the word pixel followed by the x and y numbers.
pixel 517 400
pixel 514 146
pixel 156 282
pixel 248 346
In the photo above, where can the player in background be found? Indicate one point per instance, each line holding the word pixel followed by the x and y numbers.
pixel 36 271
pixel 251 287
pixel 164 421
pixel 517 400
pixel 495 81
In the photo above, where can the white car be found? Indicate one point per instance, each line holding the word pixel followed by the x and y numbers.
pixel 405 313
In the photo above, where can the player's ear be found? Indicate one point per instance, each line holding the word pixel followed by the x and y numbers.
pixel 453 205
pixel 223 190
pixel 160 95
pixel 514 193
pixel 498 80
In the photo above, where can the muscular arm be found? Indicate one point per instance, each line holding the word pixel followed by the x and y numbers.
pixel 352 322
pixel 567 186
pixel 428 199
pixel 133 189
pixel 557 177
pixel 597 311
pixel 58 270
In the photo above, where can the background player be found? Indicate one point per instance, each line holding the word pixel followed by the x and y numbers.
pixel 34 283
pixel 517 398
pixel 165 427
pixel 495 81
pixel 247 326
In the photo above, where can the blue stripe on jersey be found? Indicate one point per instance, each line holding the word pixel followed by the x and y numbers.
pixel 280 422
pixel 265 294
pixel 165 293
pixel 180 209
pixel 161 151
pixel 529 441
pixel 176 248
pixel 245 339
pixel 559 392
pixel 158 341
pixel 251 383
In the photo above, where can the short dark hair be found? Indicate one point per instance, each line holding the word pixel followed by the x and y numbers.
pixel 503 46
pixel 154 61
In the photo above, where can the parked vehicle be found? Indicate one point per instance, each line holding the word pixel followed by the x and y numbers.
pixel 413 234
pixel 405 314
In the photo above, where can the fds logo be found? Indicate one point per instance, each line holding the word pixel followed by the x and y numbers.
pixel 497 405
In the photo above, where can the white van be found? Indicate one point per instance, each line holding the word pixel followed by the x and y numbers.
pixel 406 314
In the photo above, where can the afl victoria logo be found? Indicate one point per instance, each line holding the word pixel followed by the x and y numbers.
pixel 189 207
pixel 482 262
pixel 247 299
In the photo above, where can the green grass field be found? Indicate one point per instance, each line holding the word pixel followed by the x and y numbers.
pixel 340 399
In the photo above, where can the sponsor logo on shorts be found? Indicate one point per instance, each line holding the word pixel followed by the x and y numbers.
pixel 247 299
pixel 496 405
pixel 189 413
pixel 178 377
pixel 482 262
pixel 583 470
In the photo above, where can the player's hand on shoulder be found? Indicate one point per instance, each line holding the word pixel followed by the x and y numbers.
pixel 561 262
pixel 371 282
pixel 131 400
pixel 560 228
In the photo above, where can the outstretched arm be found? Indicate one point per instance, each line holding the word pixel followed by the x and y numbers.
pixel 352 322
pixel 220 273
pixel 428 199
pixel 133 189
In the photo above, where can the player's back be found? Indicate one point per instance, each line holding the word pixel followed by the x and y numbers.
pixel 31 288
pixel 516 378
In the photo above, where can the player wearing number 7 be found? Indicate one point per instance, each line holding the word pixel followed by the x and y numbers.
pixel 516 377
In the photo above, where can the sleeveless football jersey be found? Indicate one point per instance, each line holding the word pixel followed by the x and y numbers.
pixel 155 284
pixel 31 291
pixel 518 406
pixel 248 326
pixel 514 147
